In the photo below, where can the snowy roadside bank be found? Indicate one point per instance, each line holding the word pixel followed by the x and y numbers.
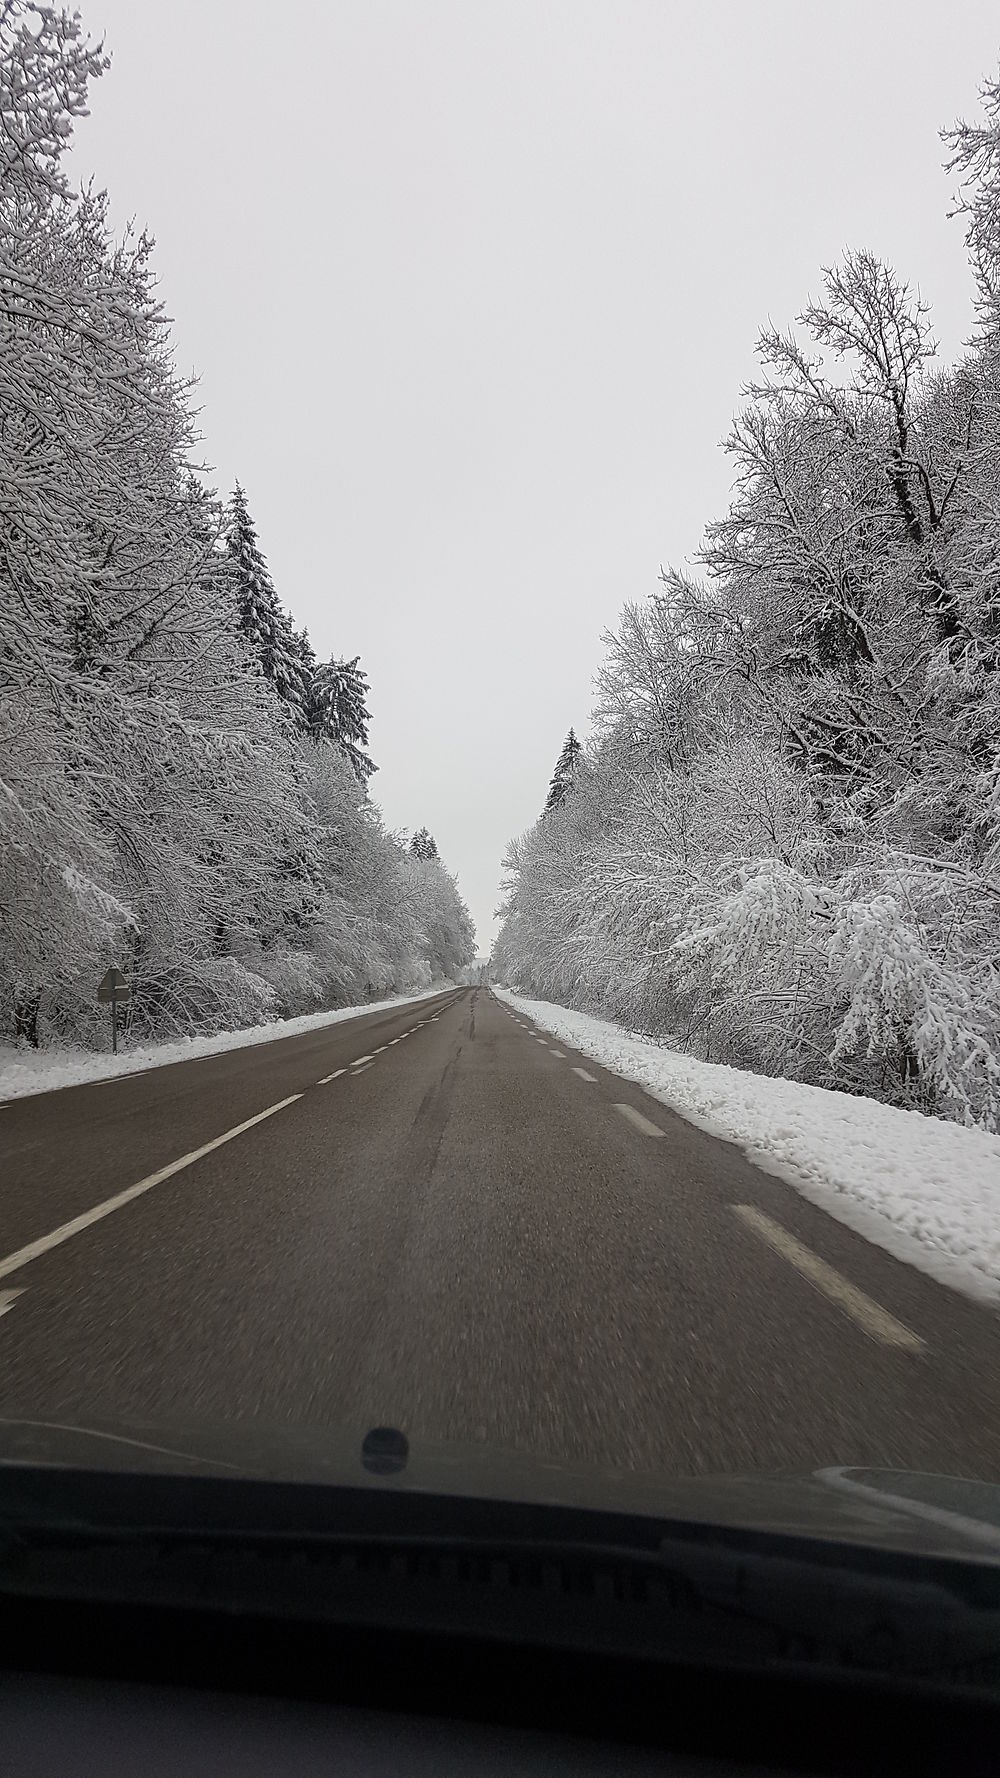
pixel 40 1071
pixel 925 1190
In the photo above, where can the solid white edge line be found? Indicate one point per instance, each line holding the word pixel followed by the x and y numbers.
pixel 638 1122
pixel 326 1078
pixel 34 1249
pixel 582 1072
pixel 870 1316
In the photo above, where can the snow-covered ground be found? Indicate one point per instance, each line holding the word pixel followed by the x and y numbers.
pixel 39 1071
pixel 925 1190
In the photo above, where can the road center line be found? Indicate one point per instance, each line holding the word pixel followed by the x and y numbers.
pixel 869 1315
pixel 326 1079
pixel 582 1072
pixel 638 1122
pixel 66 1230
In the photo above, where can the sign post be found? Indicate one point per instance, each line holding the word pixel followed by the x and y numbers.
pixel 114 988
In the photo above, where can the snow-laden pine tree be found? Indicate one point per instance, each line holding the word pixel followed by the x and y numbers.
pixel 564 776
pixel 307 664
pixel 338 712
pixel 282 655
pixel 423 845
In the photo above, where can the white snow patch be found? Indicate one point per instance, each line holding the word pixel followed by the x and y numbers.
pixel 925 1190
pixel 23 1072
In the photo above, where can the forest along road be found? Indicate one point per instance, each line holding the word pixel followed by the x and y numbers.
pixel 434 1217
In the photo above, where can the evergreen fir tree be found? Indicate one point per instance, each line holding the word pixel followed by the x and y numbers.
pixel 423 845
pixel 564 776
pixel 338 711
pixel 307 659
pixel 283 655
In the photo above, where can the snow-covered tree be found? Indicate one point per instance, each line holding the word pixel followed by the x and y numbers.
pixel 785 851
pixel 447 935
pixel 564 776
pixel 156 810
pixel 338 712
pixel 423 844
pixel 283 657
pixel 975 155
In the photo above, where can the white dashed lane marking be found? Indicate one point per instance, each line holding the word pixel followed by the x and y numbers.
pixel 582 1072
pixel 326 1078
pixel 363 1067
pixel 877 1323
pixel 638 1122
pixel 8 1298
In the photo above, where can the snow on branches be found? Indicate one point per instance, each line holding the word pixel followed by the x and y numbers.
pixel 785 850
pixel 157 790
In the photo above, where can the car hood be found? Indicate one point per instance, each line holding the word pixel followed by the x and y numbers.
pixel 903 1509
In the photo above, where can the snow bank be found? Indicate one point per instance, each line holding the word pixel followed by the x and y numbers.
pixel 925 1190
pixel 39 1071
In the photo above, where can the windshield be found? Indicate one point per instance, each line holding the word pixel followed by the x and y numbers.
pixel 498 896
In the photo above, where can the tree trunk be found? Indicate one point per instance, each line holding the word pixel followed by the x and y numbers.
pixel 26 1018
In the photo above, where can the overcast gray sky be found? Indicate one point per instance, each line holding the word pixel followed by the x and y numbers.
pixel 471 290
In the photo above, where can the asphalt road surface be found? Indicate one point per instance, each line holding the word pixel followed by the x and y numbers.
pixel 435 1218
